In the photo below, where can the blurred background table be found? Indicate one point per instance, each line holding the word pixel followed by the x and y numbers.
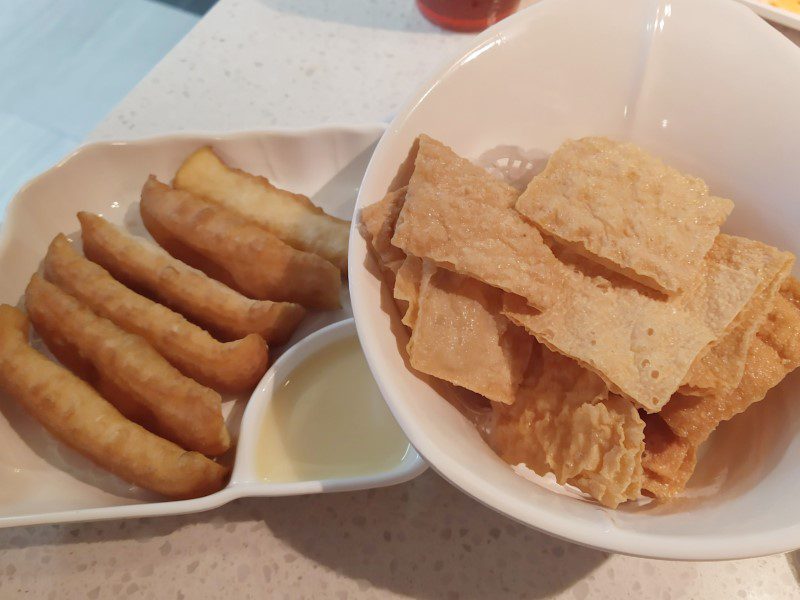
pixel 255 64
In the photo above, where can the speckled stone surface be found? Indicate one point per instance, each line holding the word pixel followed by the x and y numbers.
pixel 253 64
pixel 287 63
pixel 423 539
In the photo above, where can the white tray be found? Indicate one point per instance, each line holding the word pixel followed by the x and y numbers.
pixel 41 480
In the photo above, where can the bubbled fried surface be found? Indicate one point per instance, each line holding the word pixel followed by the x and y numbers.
pixel 377 225
pixel 460 336
pixel 626 209
pixel 668 460
pixel 564 421
pixel 773 354
pixel 719 370
pixel 406 289
pixel 641 344
pixel 74 413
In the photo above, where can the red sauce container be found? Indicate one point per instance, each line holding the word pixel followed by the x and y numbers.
pixel 466 15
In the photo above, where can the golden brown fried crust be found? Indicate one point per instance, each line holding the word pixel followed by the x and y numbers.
pixel 565 422
pixel 719 369
pixel 235 251
pixel 224 366
pixel 292 217
pixel 377 226
pixel 185 412
pixel 668 460
pixel 625 209
pixel 78 416
pixel 459 216
pixel 460 336
pixel 209 303
pixel 773 354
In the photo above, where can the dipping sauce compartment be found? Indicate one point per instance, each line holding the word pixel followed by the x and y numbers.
pixel 317 422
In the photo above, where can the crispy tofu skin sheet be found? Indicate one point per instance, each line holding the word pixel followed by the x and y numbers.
pixel 642 344
pixel 79 417
pixel 292 217
pixel 719 369
pixel 184 411
pixel 402 273
pixel 377 226
pixel 460 336
pixel 458 333
pixel 225 366
pixel 626 209
pixel 773 354
pixel 209 303
pixel 407 289
pixel 459 216
pixel 233 250
pixel 565 422
pixel 668 460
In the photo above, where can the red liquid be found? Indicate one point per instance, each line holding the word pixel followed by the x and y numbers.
pixel 466 15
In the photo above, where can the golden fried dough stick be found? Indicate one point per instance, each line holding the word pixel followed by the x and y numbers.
pixel 292 217
pixel 209 303
pixel 75 414
pixel 235 251
pixel 225 366
pixel 184 411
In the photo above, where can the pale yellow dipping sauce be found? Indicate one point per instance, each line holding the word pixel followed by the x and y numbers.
pixel 328 420
pixel 792 5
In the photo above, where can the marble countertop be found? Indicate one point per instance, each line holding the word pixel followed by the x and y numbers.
pixel 253 64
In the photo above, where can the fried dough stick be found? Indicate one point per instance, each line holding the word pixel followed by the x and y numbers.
pixel 292 217
pixel 184 411
pixel 235 251
pixel 79 417
pixel 225 366
pixel 209 303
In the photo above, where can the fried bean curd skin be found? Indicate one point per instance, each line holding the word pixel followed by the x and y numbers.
pixel 719 370
pixel 640 342
pixel 184 411
pixel 626 209
pixel 407 285
pixel 564 421
pixel 235 251
pixel 774 353
pixel 292 217
pixel 79 417
pixel 216 307
pixel 377 226
pixel 668 460
pixel 460 336
pixel 401 272
pixel 224 366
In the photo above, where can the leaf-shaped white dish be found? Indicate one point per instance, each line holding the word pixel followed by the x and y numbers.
pixel 41 480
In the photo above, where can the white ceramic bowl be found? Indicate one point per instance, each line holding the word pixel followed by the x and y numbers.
pixel 712 89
